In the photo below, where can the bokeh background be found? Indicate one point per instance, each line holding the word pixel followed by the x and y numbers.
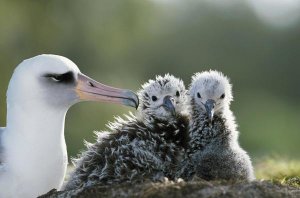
pixel 124 43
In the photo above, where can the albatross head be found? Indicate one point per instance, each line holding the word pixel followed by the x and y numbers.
pixel 162 98
pixel 210 92
pixel 56 81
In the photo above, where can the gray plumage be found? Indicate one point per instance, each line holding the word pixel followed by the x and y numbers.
pixel 214 151
pixel 146 146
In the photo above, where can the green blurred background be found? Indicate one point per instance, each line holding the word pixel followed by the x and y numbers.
pixel 125 42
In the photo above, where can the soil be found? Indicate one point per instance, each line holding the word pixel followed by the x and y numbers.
pixel 196 188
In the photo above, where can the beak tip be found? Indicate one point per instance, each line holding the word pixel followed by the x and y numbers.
pixel 132 99
pixel 137 102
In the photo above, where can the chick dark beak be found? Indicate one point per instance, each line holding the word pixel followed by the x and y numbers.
pixel 168 104
pixel 209 106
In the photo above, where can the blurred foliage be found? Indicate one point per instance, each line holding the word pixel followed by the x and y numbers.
pixel 279 170
pixel 125 42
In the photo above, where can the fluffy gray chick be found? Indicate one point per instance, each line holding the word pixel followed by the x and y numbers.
pixel 214 151
pixel 146 146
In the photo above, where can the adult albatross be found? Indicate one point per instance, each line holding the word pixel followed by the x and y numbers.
pixel 33 155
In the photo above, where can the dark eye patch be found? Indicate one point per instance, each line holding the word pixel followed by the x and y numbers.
pixel 198 95
pixel 222 96
pixel 65 78
pixel 177 93
pixel 154 98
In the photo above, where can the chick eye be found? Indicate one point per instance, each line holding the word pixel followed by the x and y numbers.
pixel 177 93
pixel 222 96
pixel 198 95
pixel 154 98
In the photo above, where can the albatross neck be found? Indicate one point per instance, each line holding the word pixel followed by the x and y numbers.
pixel 34 146
pixel 34 130
pixel 35 121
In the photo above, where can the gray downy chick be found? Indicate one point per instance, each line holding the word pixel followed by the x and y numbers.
pixel 214 151
pixel 148 145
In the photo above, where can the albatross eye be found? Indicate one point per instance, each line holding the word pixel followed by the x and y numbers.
pixel 57 78
pixel 154 98
pixel 61 78
pixel 222 96
pixel 177 93
pixel 198 95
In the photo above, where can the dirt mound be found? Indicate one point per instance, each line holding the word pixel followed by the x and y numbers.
pixel 196 188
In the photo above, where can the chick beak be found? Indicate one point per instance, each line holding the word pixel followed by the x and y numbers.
pixel 209 106
pixel 168 104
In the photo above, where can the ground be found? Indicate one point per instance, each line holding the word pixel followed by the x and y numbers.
pixel 277 177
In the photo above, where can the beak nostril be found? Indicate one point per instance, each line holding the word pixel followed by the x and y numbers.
pixel 91 84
